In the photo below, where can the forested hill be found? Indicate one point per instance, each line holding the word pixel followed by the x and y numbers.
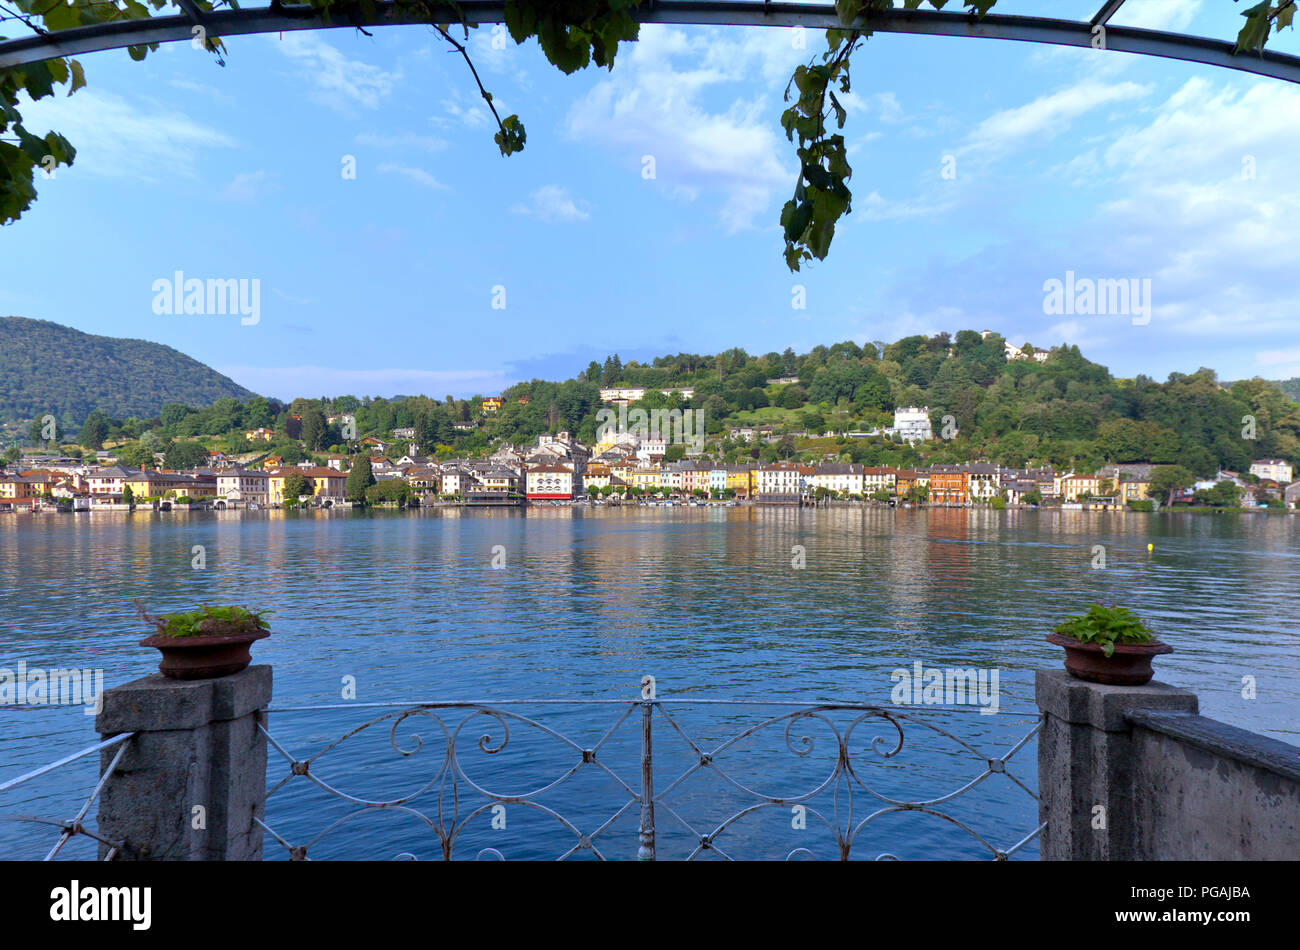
pixel 48 368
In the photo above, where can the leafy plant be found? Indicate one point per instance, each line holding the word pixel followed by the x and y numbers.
pixel 1105 626
pixel 208 622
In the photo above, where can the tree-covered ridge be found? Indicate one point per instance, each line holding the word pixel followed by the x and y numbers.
pixel 1290 386
pixel 1064 411
pixel 48 368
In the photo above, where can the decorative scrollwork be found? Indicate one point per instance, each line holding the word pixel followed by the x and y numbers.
pixel 452 805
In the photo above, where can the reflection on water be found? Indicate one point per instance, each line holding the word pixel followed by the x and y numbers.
pixel 706 600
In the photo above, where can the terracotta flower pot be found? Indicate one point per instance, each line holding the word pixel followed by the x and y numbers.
pixel 201 658
pixel 1129 665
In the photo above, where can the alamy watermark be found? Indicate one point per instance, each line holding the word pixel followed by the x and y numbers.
pixel 672 426
pixel 932 686
pixel 180 295
pixel 1086 296
pixel 34 686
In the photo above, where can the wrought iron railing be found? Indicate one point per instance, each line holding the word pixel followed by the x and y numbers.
pixel 72 827
pixel 645 764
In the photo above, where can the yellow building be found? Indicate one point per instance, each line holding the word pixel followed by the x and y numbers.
pixel 740 480
pixel 1070 487
pixel 1135 490
pixel 326 483
pixel 491 404
pixel 157 484
pixel 645 477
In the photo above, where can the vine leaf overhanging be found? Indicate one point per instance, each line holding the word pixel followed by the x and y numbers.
pixel 572 34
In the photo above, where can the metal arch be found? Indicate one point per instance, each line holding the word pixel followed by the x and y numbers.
pixel 275 19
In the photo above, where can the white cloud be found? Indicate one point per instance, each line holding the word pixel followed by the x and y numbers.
pixel 1047 116
pixel 248 187
pixel 553 203
pixel 417 175
pixel 469 110
pixel 492 48
pixel 1171 15
pixel 340 83
pixel 117 138
pixel 651 105
pixel 189 85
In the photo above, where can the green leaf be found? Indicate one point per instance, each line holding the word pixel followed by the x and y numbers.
pixel 1254 34
pixel 78 76
pixel 511 138
pixel 37 79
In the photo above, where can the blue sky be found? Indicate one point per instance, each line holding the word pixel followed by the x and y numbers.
pixel 1106 164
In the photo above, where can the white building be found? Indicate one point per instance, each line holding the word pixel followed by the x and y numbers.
pixel 550 483
pixel 1276 470
pixel 243 485
pixel 781 478
pixel 635 393
pixel 839 477
pixel 912 423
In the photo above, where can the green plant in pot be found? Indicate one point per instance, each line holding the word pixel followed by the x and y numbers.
pixel 205 643
pixel 1108 645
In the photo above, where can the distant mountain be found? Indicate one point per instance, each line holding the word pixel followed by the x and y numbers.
pixel 45 367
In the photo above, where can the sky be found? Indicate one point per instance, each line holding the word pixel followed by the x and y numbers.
pixel 982 171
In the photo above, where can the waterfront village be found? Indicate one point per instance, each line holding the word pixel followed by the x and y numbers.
pixel 622 467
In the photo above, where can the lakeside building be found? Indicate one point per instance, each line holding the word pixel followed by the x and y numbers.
pixel 1070 486
pixel 238 487
pixel 779 478
pixel 948 485
pixel 1273 470
pixel 550 482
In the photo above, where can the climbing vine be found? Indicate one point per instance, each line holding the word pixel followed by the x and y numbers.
pixel 572 34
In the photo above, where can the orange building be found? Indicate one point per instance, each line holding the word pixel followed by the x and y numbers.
pixel 949 485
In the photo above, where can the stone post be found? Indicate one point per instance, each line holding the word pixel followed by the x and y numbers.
pixel 1087 764
pixel 193 779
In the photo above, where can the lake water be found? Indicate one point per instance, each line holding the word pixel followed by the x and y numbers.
pixel 708 601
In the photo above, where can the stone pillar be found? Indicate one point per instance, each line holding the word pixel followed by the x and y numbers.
pixel 193 778
pixel 1086 764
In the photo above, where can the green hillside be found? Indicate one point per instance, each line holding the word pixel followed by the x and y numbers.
pixel 1290 386
pixel 48 368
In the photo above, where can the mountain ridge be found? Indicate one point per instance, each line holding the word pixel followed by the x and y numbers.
pixel 48 367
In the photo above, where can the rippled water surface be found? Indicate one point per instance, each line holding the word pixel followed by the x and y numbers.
pixel 708 601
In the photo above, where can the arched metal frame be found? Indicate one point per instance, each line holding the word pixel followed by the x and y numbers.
pixel 1058 32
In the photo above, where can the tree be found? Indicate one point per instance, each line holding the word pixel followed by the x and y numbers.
pixel 94 430
pixel 44 429
pixel 296 485
pixel 1168 479
pixel 182 455
pixel 359 479
pixel 314 428
pixel 128 496
pixel 390 490
pixel 135 455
